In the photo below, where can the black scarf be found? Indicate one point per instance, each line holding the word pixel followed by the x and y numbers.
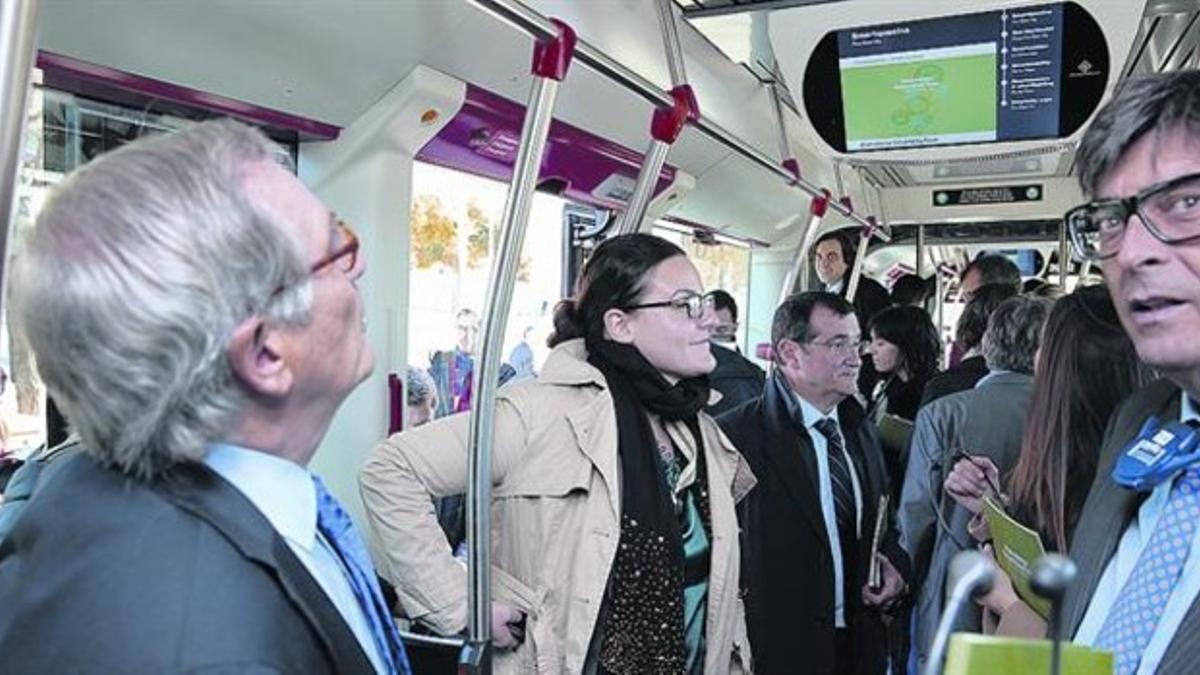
pixel 642 628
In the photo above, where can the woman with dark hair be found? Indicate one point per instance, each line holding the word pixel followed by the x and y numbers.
pixel 615 540
pixel 1085 366
pixel 907 351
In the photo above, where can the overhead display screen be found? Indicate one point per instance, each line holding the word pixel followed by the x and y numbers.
pixel 1014 74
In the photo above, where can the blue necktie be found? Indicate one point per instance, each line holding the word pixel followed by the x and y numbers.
pixel 1139 605
pixel 335 524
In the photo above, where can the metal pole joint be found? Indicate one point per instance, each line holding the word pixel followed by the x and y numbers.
pixel 792 166
pixel 818 206
pixel 668 122
pixel 552 56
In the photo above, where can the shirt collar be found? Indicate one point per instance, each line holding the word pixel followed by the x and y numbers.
pixel 811 415
pixel 280 489
pixel 1187 410
pixel 835 287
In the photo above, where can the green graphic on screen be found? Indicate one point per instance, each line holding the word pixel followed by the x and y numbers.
pixel 920 99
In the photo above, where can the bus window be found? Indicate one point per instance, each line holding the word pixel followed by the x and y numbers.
pixel 455 228
pixel 722 265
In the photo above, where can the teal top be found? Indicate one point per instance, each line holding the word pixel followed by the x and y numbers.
pixel 697 549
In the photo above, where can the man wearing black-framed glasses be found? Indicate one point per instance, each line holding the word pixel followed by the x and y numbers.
pixel 1139 552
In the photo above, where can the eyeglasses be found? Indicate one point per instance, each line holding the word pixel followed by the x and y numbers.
pixel 1170 211
pixel 693 303
pixel 842 345
pixel 345 255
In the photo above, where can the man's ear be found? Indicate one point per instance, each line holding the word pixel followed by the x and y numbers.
pixel 787 353
pixel 617 326
pixel 255 355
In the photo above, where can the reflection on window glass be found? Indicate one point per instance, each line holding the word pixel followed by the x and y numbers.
pixel 455 227
pixel 723 265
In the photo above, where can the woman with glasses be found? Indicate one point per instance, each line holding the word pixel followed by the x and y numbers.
pixel 615 545
pixel 1085 366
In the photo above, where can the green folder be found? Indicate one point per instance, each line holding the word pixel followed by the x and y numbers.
pixel 895 432
pixel 972 654
pixel 1017 547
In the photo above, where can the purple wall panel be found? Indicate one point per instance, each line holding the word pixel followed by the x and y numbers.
pixel 483 137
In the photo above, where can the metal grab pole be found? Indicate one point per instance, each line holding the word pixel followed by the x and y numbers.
pixel 921 252
pixel 798 270
pixel 665 125
pixel 1064 257
pixel 527 19
pixel 864 241
pixel 18 24
pixel 551 59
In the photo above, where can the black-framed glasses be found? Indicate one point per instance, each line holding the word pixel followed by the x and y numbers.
pixel 845 345
pixel 1169 210
pixel 691 302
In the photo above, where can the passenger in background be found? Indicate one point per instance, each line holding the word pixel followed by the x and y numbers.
pixel 421 396
pixel 1139 160
pixel 987 420
pixel 736 377
pixel 911 289
pixel 422 401
pixel 907 351
pixel 195 311
pixel 807 527
pixel 521 357
pixel 968 338
pixel 1041 288
pixel 1085 367
pixel 615 537
pixel 833 257
pixel 452 370
pixel 987 269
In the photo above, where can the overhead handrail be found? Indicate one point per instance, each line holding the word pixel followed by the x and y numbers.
pixel 518 14
pixel 551 59
pixel 665 125
pixel 18 28
pixel 798 270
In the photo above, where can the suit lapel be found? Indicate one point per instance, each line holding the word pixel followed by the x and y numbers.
pixel 210 498
pixel 789 450
pixel 1109 508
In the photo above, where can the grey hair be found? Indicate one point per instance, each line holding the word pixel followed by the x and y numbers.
pixel 1157 103
pixel 419 384
pixel 140 266
pixel 1013 333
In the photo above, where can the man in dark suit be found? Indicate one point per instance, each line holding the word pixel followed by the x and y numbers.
pixel 807 526
pixel 968 338
pixel 194 310
pixel 833 258
pixel 736 377
pixel 1138 589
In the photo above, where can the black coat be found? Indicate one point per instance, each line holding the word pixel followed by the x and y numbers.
pixel 787 568
pixel 736 377
pixel 106 574
pixel 961 377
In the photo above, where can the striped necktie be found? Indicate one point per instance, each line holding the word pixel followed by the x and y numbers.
pixel 840 481
pixel 335 524
pixel 1135 613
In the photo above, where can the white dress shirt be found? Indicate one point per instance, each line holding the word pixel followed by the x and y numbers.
pixel 811 417
pixel 1121 565
pixel 283 492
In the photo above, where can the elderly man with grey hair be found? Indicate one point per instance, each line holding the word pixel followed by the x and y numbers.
pixel 986 422
pixel 194 309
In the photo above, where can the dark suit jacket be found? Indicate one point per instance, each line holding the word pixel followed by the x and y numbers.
pixel 736 377
pixel 787 569
pixel 106 574
pixel 961 377
pixel 1108 511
